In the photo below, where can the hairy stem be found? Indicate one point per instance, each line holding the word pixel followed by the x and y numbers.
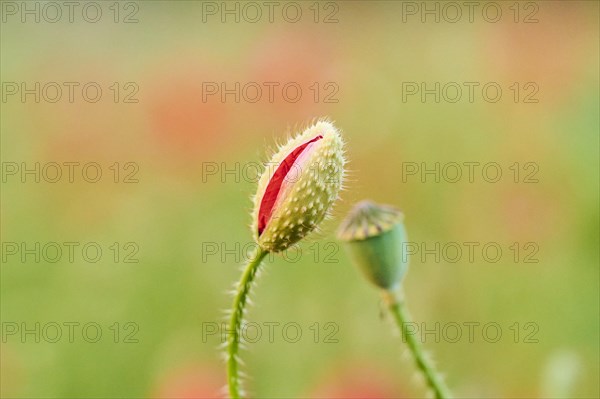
pixel 398 309
pixel 237 314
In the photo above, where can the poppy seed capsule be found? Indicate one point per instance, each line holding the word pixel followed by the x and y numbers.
pixel 298 187
pixel 375 238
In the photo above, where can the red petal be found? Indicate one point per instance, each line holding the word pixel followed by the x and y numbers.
pixel 274 186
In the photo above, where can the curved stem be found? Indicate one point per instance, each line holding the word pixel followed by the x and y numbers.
pixel 237 314
pixel 398 309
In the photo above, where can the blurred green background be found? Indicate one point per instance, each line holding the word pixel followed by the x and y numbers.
pixel 178 212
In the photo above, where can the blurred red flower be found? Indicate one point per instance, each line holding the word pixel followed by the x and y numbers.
pixel 191 382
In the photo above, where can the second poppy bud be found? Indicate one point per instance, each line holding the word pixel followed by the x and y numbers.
pixel 376 239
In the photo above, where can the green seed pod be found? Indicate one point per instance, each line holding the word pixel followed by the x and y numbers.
pixel 298 187
pixel 375 238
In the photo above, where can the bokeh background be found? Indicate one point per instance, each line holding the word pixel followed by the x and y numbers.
pixel 177 213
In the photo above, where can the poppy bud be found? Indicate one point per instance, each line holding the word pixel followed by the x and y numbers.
pixel 298 187
pixel 375 238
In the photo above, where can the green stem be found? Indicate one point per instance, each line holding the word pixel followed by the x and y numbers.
pixel 398 308
pixel 237 314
